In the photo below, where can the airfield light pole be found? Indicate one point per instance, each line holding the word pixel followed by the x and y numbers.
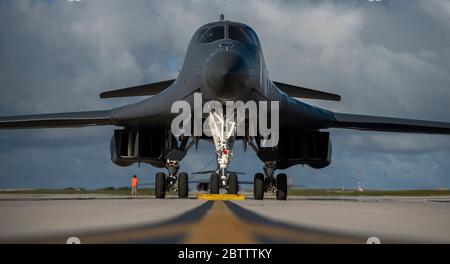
pixel 360 189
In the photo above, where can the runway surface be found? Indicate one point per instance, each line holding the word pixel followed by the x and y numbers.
pixel 122 219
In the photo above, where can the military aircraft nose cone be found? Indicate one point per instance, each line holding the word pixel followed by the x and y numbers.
pixel 226 76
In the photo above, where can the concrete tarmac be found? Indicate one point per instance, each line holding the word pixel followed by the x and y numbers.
pixel 123 219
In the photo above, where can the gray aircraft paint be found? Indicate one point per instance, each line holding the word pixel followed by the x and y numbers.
pixel 155 111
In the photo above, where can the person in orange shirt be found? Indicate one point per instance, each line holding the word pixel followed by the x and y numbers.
pixel 134 184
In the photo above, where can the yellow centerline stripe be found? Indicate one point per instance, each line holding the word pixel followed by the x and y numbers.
pixel 220 225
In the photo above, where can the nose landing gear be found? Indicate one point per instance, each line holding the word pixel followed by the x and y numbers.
pixel 223 133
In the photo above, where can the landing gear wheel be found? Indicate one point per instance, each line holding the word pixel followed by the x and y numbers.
pixel 183 183
pixel 160 185
pixel 258 186
pixel 281 186
pixel 233 185
pixel 215 183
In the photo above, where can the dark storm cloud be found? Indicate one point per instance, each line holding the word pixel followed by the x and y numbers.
pixel 390 58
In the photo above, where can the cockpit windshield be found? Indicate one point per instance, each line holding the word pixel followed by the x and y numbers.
pixel 243 35
pixel 212 34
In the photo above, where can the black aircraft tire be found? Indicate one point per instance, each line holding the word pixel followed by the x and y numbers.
pixel 215 183
pixel 183 185
pixel 281 186
pixel 160 185
pixel 233 185
pixel 258 186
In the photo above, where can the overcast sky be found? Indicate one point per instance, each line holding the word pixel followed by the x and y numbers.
pixel 387 58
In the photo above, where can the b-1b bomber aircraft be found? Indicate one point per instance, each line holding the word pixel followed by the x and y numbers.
pixel 224 62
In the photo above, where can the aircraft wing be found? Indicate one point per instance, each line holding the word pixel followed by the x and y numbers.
pixel 389 124
pixel 302 92
pixel 74 119
pixel 140 90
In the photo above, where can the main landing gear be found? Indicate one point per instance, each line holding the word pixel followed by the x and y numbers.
pixel 268 183
pixel 174 181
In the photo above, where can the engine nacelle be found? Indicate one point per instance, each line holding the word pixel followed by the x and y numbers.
pixel 310 147
pixel 320 164
pixel 129 146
